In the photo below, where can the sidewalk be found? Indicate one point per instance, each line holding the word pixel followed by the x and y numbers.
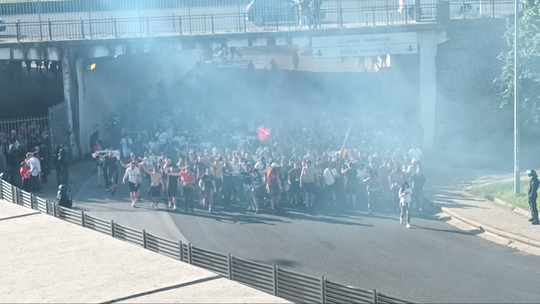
pixel 49 260
pixel 468 212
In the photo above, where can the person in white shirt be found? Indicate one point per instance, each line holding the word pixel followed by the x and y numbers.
pixel 133 175
pixel 405 197
pixel 35 169
pixel 330 175
pixel 162 140
pixel 126 143
pixel 416 154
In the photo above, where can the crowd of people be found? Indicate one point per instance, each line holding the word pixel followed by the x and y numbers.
pixel 250 157
pixel 25 141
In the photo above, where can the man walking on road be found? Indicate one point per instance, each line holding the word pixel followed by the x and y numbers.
pixel 533 195
pixel 156 180
pixel 134 176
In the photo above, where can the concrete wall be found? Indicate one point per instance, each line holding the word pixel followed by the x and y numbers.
pixel 468 114
pixel 115 79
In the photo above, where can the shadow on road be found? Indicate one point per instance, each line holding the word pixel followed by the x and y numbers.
pixel 461 232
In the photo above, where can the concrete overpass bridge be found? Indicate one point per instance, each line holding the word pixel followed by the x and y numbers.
pixel 48 31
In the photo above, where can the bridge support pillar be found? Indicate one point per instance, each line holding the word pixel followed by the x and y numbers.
pixel 69 77
pixel 429 41
pixel 84 134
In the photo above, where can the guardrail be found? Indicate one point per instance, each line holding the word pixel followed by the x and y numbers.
pixel 272 279
pixel 87 27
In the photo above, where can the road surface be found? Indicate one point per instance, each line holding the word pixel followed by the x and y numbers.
pixel 432 262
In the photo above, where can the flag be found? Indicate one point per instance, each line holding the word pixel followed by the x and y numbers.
pixel 263 134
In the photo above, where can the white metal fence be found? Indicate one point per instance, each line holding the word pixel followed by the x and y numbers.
pixel 272 279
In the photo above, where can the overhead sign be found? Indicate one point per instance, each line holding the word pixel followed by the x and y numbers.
pixel 364 45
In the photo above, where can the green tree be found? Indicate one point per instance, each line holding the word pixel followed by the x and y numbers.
pixel 529 64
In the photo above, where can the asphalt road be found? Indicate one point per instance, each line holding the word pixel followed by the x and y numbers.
pixel 431 262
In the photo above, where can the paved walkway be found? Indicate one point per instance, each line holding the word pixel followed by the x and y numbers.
pixel 499 224
pixel 49 260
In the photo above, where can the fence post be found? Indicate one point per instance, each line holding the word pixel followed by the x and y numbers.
pixel 275 283
pixel 31 201
pixel 82 28
pixel 407 14
pixel 375 296
pixel 190 254
pixel 112 229
pixel 55 210
pixel 90 27
pixel 492 8
pixel 147 26
pixel 180 24
pixel 323 290
pixel 340 17
pixel 212 22
pixel 245 23
pixel 14 195
pixel 47 207
pixel 181 251
pixel 144 241
pixel 83 221
pixel 373 15
pixel 229 266
pixel 387 12
pixel 1 189
pixel 50 30
pixel 18 27
pixel 115 29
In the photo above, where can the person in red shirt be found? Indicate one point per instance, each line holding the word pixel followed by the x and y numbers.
pixel 188 179
pixel 25 176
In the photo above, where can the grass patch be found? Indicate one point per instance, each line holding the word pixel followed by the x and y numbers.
pixel 504 191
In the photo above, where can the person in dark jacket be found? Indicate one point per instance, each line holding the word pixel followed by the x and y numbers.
pixel 57 165
pixel 63 197
pixel 64 166
pixel 12 160
pixel 533 195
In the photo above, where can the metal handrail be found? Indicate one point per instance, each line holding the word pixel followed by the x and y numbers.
pixel 99 28
pixel 290 285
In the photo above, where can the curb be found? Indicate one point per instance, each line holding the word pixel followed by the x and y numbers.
pixel 512 207
pixel 515 241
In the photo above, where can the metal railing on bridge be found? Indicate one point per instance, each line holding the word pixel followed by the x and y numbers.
pixel 229 19
pixel 272 279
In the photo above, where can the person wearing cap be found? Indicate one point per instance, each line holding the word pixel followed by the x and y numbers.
pixel 533 195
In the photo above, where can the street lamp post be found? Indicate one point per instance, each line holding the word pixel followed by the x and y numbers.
pixel 517 109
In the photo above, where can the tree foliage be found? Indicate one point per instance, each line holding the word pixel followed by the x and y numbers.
pixel 529 64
